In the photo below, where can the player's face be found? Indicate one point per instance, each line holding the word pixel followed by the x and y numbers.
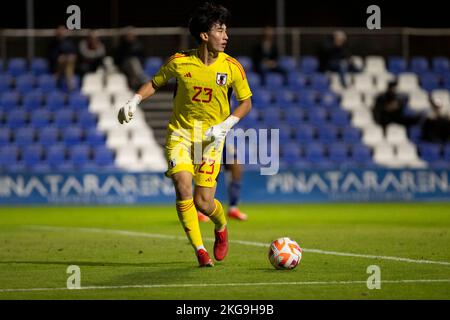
pixel 218 38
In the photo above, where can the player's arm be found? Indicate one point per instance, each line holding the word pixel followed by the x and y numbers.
pixel 165 73
pixel 126 112
pixel 243 93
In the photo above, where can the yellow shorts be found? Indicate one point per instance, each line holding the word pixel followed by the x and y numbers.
pixel 202 160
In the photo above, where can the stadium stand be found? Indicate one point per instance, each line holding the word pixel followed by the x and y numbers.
pixel 44 126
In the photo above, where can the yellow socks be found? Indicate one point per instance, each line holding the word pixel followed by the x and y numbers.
pixel 218 216
pixel 187 213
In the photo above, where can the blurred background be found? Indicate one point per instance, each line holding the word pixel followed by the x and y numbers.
pixel 345 98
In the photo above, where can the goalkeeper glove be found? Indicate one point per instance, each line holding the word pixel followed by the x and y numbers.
pixel 218 132
pixel 126 112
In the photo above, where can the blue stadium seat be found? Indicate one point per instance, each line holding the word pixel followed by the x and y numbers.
pixel 24 136
pixel 103 157
pixel 305 134
pixel 86 119
pixel 329 100
pixel 17 66
pixel 55 100
pixel 274 81
pixel 397 65
pixel 430 152
pixel 79 155
pixel 291 153
pixel 446 81
pixel 78 101
pixel 419 65
pixel 5 136
pixel 285 133
pixel 361 154
pixel 32 155
pixel 307 98
pixel 351 135
pixel 309 64
pixel 48 136
pixel 430 81
pixel 6 82
pixel 56 155
pixel 40 118
pixel 10 100
pixel 25 83
pixel 72 136
pixel 317 116
pixel 17 118
pixel 314 153
pixel 33 99
pixel 287 63
pixel 440 65
pixel 75 80
pixel 294 116
pixel 95 138
pixel 154 62
pixel 319 82
pixel 338 153
pixel 246 63
pixel 447 153
pixel 297 81
pixel 262 98
pixel 284 98
pixel 328 134
pixel 63 118
pixel 254 80
pixel 340 117
pixel 10 156
pixel 271 115
pixel 39 66
pixel 46 83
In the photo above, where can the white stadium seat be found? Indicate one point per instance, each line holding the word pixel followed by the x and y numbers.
pixel 375 65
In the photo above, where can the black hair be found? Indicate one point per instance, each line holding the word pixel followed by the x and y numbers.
pixel 205 17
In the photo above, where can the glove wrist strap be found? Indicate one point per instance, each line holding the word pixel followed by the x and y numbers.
pixel 231 121
pixel 137 98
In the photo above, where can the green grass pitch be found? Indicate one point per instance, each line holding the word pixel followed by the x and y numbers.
pixel 142 253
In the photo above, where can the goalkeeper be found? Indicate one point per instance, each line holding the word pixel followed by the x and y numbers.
pixel 201 117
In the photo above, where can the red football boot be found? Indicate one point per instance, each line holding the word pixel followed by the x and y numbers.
pixel 203 258
pixel 235 213
pixel 202 217
pixel 221 244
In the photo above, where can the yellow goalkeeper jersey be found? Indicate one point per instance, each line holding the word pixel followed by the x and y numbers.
pixel 202 92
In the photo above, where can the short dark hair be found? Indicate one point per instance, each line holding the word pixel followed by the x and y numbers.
pixel 205 17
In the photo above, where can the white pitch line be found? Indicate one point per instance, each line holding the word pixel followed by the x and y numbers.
pixel 248 243
pixel 245 284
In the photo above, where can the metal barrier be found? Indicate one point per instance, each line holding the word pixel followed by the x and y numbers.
pixel 296 42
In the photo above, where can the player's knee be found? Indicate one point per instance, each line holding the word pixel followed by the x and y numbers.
pixel 203 204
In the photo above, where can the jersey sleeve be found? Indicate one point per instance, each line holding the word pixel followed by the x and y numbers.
pixel 165 73
pixel 240 83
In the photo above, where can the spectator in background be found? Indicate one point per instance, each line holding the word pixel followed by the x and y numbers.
pixel 63 57
pixel 436 127
pixel 390 108
pixel 265 55
pixel 335 56
pixel 129 57
pixel 92 52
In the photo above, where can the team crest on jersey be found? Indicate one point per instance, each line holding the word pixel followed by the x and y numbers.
pixel 221 79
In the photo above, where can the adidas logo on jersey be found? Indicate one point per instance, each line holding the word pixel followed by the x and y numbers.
pixel 188 75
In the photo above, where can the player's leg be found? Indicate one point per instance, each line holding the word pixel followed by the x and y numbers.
pixel 206 203
pixel 187 214
pixel 205 189
pixel 234 191
pixel 181 171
